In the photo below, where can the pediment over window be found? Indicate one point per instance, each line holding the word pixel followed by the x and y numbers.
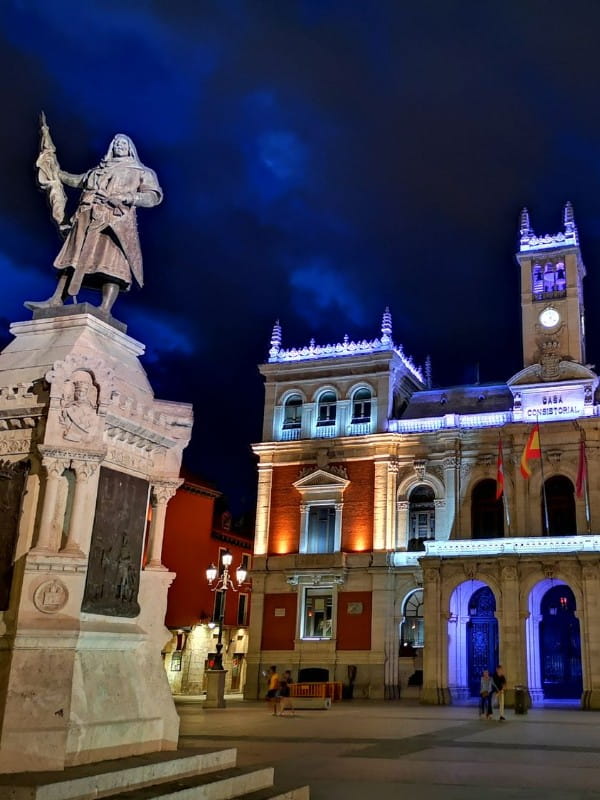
pixel 320 478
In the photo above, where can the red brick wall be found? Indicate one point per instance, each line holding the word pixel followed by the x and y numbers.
pixel 284 526
pixel 357 516
pixel 354 630
pixel 279 632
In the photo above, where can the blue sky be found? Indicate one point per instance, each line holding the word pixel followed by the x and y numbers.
pixel 320 160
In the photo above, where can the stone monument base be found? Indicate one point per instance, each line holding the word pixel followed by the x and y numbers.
pixel 215 688
pixel 90 460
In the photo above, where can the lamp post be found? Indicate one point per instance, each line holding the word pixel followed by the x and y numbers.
pixel 222 581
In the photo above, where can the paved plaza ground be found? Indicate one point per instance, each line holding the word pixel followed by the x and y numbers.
pixel 380 751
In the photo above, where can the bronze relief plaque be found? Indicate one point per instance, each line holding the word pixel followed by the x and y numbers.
pixel 113 575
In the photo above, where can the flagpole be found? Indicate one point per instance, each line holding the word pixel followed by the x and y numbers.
pixel 543 481
pixel 504 494
pixel 588 517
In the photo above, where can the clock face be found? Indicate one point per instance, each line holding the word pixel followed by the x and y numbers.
pixel 549 317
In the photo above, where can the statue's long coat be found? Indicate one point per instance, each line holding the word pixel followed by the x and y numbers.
pixel 103 241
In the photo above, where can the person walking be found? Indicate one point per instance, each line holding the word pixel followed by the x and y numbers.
pixel 486 689
pixel 272 687
pixel 499 681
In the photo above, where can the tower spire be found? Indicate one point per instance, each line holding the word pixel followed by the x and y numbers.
pixel 428 383
pixel 275 340
pixel 569 219
pixel 386 327
pixel 525 229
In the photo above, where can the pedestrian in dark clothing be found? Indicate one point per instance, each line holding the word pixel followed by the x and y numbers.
pixel 487 687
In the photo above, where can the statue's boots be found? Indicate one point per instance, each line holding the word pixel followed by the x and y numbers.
pixel 34 305
pixel 51 302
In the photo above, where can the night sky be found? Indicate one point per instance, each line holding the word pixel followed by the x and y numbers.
pixel 320 160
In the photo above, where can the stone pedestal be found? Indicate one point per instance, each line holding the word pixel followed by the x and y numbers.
pixel 215 688
pixel 85 449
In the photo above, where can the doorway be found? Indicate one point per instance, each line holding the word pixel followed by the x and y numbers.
pixel 482 637
pixel 560 645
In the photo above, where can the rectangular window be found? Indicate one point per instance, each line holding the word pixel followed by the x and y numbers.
pixel 242 615
pixel 317 622
pixel 176 661
pixel 321 529
pixel 219 606
pixel 245 561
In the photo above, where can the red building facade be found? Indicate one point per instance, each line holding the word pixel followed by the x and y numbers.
pixel 196 535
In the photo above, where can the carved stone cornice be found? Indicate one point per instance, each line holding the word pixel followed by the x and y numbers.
pixel 316 578
pixel 16 443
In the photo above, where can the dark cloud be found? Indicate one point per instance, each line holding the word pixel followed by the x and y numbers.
pixel 320 160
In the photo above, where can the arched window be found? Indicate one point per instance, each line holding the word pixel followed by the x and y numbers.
pixel 327 409
pixel 361 406
pixel 561 278
pixel 421 516
pixel 538 280
pixel 560 498
pixel 487 513
pixel 549 277
pixel 412 630
pixel 292 412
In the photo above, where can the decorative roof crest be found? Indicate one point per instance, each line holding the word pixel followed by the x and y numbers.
pixel 567 238
pixel 346 347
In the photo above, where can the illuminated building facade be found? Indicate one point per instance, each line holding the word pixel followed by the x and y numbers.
pixel 197 535
pixel 383 558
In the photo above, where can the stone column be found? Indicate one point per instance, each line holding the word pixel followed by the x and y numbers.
pixel 162 492
pixel 451 531
pixel 512 639
pixel 82 516
pixel 48 540
pixel 589 622
pixel 253 687
pixel 402 524
pixel 302 541
pixel 380 505
pixel 263 507
pixel 390 522
pixel 435 660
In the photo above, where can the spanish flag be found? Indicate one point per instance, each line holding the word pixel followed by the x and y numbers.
pixel 500 472
pixel 532 450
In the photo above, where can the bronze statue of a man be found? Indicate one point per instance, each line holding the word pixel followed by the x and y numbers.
pixel 102 248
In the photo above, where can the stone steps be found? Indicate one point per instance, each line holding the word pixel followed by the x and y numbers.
pixel 221 785
pixel 94 781
pixel 176 775
pixel 275 793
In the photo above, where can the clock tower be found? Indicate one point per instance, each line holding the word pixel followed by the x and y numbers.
pixel 552 273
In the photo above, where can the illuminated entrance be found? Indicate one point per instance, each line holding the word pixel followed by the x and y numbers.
pixel 482 637
pixel 560 645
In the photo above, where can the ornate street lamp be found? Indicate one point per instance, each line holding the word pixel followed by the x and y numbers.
pixel 222 583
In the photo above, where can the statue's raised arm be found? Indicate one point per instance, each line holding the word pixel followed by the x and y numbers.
pixel 102 248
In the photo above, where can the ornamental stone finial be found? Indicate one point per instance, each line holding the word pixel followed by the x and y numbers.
pixel 428 383
pixel 525 225
pixel 275 340
pixel 569 218
pixel 386 327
